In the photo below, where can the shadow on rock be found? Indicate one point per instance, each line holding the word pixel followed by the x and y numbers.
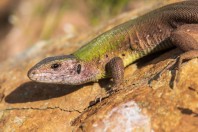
pixel 32 91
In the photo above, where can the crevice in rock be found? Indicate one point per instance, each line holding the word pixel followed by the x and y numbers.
pixel 46 108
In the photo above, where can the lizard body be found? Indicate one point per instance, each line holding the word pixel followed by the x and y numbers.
pixel 108 54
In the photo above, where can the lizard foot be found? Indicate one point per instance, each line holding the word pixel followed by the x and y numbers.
pixel 115 88
pixel 169 66
pixel 177 67
pixel 98 99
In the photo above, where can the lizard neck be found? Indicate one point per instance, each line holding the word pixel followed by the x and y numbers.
pixel 102 49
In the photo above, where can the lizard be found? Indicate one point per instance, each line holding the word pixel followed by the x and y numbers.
pixel 106 56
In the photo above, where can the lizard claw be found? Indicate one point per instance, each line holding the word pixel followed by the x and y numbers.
pixel 115 88
pixel 97 99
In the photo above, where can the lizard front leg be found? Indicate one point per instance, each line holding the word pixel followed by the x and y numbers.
pixel 186 38
pixel 115 67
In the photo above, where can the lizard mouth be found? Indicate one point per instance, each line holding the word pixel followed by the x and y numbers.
pixel 44 77
pixel 35 75
pixel 47 77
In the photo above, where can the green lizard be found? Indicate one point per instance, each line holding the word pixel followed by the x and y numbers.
pixel 108 54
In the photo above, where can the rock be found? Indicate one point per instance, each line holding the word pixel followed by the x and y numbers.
pixel 165 108
pixel 144 103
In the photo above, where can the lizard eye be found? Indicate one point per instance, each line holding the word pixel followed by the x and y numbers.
pixel 78 68
pixel 55 66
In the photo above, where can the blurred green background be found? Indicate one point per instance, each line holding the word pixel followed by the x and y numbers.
pixel 26 22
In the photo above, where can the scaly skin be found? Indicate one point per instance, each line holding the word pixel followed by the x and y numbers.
pixel 109 53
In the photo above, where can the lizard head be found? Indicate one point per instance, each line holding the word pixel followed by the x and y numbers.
pixel 63 70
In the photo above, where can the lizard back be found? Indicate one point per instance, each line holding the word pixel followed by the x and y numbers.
pixel 142 36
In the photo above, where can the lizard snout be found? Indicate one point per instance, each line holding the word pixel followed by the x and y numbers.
pixel 31 73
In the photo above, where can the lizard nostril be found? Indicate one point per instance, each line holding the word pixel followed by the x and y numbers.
pixel 33 72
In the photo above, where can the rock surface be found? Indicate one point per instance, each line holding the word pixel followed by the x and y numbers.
pixel 151 104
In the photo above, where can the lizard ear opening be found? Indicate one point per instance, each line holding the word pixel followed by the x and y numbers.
pixel 55 66
pixel 78 68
